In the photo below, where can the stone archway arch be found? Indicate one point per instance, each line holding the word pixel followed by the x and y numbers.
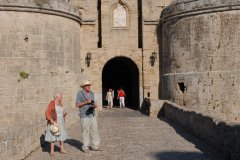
pixel 122 72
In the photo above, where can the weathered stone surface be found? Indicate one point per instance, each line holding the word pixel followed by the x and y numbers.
pixel 199 45
pixel 222 135
pixel 121 42
pixel 128 135
pixel 47 47
pixel 152 107
pixel 57 5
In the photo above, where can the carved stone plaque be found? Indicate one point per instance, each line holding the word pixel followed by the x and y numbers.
pixel 119 16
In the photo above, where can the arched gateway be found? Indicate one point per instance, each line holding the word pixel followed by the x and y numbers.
pixel 122 72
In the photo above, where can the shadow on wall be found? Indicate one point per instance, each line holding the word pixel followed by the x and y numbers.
pixel 160 46
pixel 152 107
pixel 145 107
pixel 221 135
pixel 172 155
pixel 207 152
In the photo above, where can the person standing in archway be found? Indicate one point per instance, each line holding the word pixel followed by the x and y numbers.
pixel 86 104
pixel 113 94
pixel 109 99
pixel 121 97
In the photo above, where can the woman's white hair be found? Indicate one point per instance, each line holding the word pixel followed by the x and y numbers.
pixel 58 94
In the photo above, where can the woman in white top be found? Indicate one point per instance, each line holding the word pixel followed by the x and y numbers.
pixel 109 99
pixel 55 114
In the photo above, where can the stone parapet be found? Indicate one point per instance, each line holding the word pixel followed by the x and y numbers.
pixel 152 107
pixel 222 135
pixel 52 7
pixel 185 8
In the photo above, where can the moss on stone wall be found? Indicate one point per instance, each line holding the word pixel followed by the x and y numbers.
pixel 40 3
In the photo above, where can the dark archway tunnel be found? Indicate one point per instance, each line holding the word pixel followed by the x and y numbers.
pixel 121 72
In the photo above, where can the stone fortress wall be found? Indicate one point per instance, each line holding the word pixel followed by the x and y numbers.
pixel 199 71
pixel 40 38
pixel 43 45
pixel 121 42
pixel 115 42
pixel 197 62
pixel 199 46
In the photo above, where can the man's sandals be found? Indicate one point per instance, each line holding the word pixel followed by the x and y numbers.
pixel 96 149
pixel 63 152
pixel 52 154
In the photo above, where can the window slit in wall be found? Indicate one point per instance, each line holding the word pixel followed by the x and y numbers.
pixel 99 7
pixel 182 87
pixel 140 25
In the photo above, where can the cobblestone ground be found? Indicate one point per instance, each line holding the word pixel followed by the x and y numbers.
pixel 128 135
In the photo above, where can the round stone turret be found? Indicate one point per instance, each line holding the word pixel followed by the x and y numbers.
pixel 39 56
pixel 201 55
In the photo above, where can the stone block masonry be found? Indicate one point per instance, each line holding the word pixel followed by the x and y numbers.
pixel 42 39
pixel 222 135
pixel 122 42
pixel 199 48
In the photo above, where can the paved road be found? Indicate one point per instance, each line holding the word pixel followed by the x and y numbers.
pixel 128 135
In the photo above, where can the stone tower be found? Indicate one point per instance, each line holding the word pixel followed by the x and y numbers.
pixel 39 55
pixel 200 56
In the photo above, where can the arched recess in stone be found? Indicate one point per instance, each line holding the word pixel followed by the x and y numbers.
pixel 120 15
pixel 121 72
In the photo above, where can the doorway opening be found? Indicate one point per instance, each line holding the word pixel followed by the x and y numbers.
pixel 121 72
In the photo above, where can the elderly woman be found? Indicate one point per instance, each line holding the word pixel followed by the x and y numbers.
pixel 55 115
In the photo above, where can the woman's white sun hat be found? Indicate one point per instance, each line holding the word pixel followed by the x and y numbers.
pixel 54 129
